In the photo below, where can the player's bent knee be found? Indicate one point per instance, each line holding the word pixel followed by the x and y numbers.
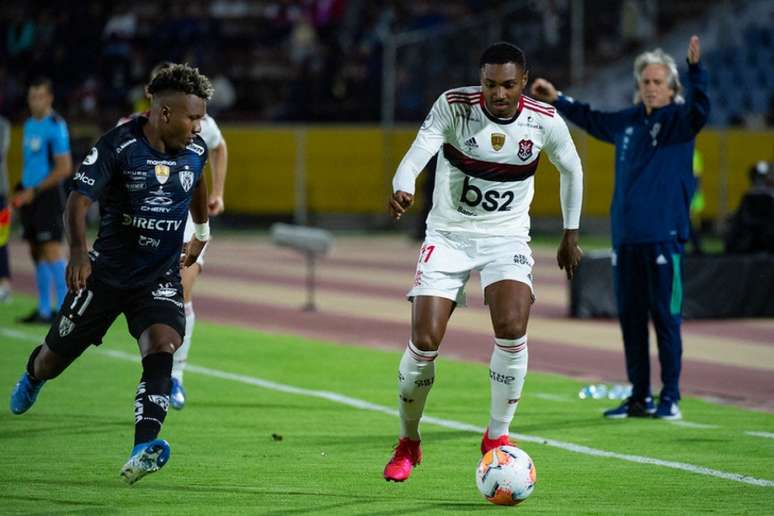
pixel 510 329
pixel 426 341
pixel 159 338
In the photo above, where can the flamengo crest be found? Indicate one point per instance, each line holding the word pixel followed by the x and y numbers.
pixel 525 149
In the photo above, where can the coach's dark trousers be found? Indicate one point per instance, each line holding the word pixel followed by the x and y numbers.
pixel 648 282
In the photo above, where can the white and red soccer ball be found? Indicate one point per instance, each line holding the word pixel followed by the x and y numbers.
pixel 506 475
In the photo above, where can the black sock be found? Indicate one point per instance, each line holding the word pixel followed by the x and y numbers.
pixel 31 364
pixel 152 399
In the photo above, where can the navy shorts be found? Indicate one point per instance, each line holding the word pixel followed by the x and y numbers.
pixel 87 315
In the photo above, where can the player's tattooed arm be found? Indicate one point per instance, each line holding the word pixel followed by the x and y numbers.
pixel 79 266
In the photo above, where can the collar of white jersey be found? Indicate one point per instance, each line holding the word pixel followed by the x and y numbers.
pixel 503 121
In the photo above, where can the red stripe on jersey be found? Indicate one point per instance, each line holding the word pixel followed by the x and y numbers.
pixel 455 97
pixel 538 108
pixel 500 172
pixel 463 93
pixel 468 102
pixel 534 102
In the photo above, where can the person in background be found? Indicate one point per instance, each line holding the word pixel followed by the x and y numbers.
pixel 649 213
pixel 697 203
pixel 5 212
pixel 40 196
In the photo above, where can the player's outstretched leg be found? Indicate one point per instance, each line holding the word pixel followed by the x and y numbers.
pixel 178 394
pixel 507 370
pixel 416 375
pixel 150 409
pixel 27 388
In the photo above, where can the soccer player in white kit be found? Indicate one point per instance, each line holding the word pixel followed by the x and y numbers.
pixel 488 139
pixel 218 160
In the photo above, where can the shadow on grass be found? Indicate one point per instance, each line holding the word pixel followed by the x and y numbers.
pixel 61 428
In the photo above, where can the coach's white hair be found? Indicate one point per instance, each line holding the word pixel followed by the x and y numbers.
pixel 658 57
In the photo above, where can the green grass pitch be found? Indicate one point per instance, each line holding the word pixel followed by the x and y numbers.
pixel 64 455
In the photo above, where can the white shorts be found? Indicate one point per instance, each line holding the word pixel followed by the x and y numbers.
pixel 188 235
pixel 446 260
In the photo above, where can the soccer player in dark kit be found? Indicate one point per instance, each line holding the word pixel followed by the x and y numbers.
pixel 145 175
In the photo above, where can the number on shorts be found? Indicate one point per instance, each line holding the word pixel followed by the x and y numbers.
pixel 84 301
pixel 426 253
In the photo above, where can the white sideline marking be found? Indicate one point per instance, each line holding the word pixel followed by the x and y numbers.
pixel 767 435
pixel 446 423
pixel 688 424
pixel 549 397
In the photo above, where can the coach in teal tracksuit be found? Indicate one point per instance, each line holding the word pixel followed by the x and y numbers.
pixel 650 218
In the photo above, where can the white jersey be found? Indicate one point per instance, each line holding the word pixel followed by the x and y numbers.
pixel 484 179
pixel 210 132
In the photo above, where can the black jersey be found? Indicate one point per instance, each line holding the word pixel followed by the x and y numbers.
pixel 144 197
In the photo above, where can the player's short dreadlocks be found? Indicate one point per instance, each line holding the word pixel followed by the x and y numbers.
pixel 182 78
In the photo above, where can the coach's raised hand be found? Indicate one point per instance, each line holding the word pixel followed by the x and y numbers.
pixel 544 91
pixel 694 50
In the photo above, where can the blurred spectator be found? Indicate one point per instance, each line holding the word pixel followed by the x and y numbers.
pixel 5 212
pixel 751 229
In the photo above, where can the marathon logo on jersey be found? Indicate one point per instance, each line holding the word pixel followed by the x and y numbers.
pixel 124 145
pixel 198 149
pixel 525 149
pixel 152 224
pixel 498 140
pixel 162 173
pixel 146 241
pixel 80 176
pixel 66 326
pixel 186 178
pixel 91 158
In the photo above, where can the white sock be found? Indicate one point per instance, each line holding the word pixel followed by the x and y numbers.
pixel 181 355
pixel 416 375
pixel 507 370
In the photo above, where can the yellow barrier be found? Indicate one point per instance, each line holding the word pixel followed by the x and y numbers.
pixel 348 169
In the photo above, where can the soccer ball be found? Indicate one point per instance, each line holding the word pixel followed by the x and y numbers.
pixel 506 475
